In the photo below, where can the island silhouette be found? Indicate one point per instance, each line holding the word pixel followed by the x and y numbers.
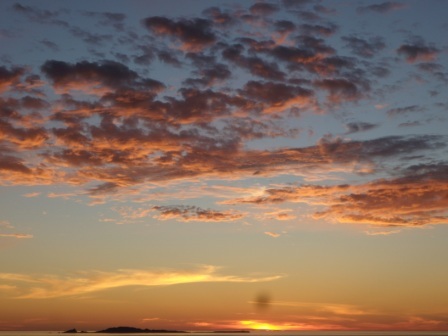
pixel 133 330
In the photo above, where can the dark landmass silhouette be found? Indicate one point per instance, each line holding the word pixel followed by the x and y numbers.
pixel 132 330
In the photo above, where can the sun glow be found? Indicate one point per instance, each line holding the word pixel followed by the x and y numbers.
pixel 261 325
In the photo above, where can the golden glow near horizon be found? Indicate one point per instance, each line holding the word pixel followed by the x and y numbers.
pixel 257 325
pixel 214 165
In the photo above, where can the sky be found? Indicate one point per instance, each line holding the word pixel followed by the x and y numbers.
pixel 205 165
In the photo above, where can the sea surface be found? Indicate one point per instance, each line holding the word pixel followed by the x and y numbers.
pixel 252 333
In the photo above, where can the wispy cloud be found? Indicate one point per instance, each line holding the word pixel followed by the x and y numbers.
pixel 192 213
pixel 272 234
pixel 16 235
pixel 33 194
pixel 52 286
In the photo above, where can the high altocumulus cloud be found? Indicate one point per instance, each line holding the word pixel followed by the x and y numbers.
pixel 104 124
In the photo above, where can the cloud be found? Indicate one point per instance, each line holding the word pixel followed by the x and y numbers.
pixel 195 34
pixel 263 8
pixel 308 29
pixel 272 234
pixel 25 138
pixel 115 20
pixel 7 288
pixel 6 224
pixel 13 164
pixel 9 77
pixel 218 16
pixel 36 14
pixel 404 110
pixel 418 52
pixel 95 75
pixel 192 213
pixel 340 89
pixel 277 97
pixel 382 232
pixel 149 319
pixel 410 201
pixel 255 65
pixel 52 286
pixel 355 127
pixel 245 78
pixel 280 215
pixel 50 45
pixel 16 235
pixel 364 48
pixel 332 308
pixel 382 8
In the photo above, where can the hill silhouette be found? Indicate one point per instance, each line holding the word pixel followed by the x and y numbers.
pixel 132 330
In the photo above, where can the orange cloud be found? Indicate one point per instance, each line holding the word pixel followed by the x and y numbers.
pixel 50 286
pixel 272 234
pixel 9 77
pixel 418 52
pixel 16 235
pixel 409 201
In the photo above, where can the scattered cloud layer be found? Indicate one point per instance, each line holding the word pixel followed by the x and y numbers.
pixel 248 79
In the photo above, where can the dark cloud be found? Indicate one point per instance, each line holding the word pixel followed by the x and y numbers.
pixel 108 187
pixel 263 8
pixel 295 3
pixel 404 110
pixel 318 45
pixel 310 16
pixel 89 37
pixel 31 137
pixel 9 77
pixel 115 20
pixel 355 127
pixel 105 73
pixel 435 69
pixel 340 89
pixel 418 52
pixel 308 29
pixel 50 45
pixel 146 55
pixel 35 13
pixel 168 58
pixel 324 10
pixel 255 65
pixel 195 34
pixel 193 213
pixel 218 16
pixel 384 7
pixel 276 95
pixel 363 47
pixel 199 106
pixel 211 75
pixel 11 163
pixel 284 26
pixel 293 55
pixel 390 146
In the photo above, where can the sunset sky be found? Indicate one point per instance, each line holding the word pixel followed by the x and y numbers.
pixel 204 165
